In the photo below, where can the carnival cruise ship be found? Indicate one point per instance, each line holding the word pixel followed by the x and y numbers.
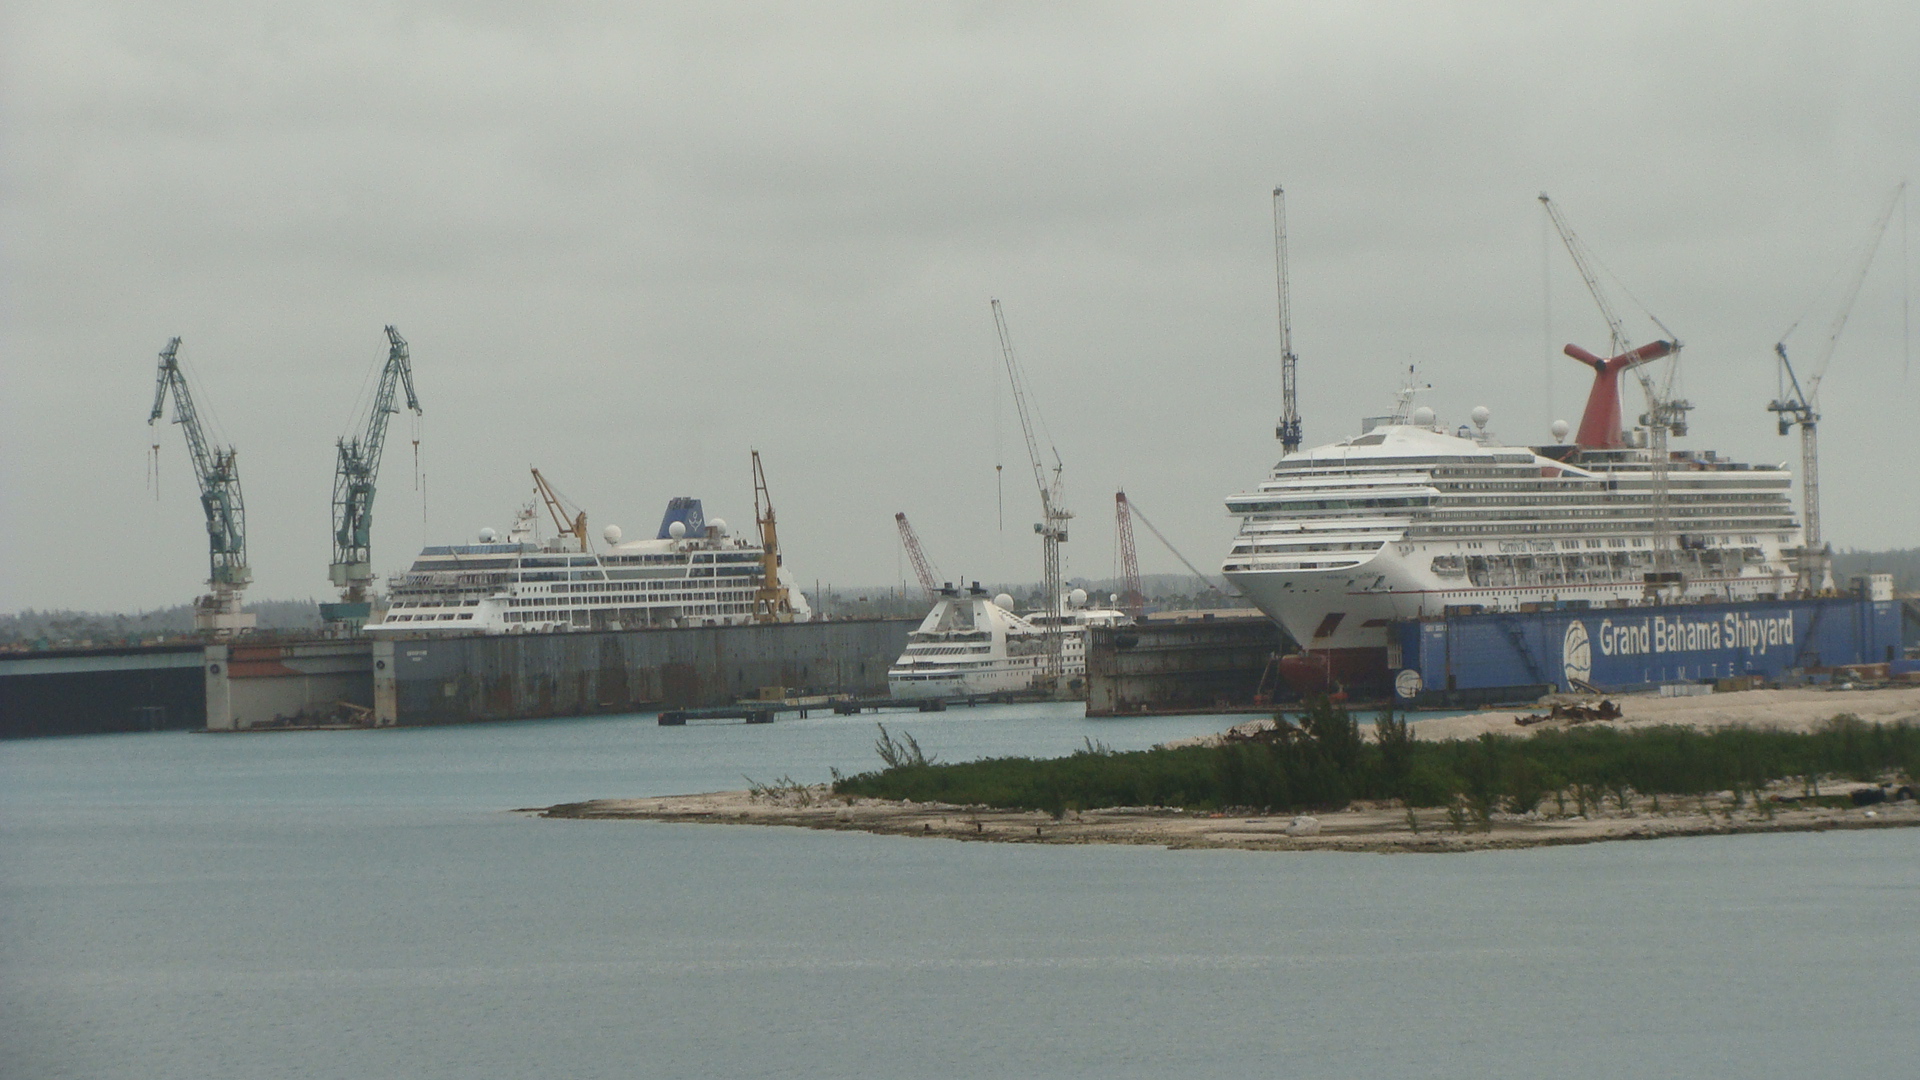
pixel 1410 519
pixel 971 645
pixel 694 572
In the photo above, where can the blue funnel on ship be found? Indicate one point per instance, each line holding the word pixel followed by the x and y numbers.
pixel 685 510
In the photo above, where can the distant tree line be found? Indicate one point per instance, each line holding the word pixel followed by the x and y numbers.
pixel 55 628
pixel 1903 564
pixel 1324 763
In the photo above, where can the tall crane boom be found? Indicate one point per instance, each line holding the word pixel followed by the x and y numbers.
pixel 356 470
pixel 1798 405
pixel 1053 512
pixel 568 519
pixel 1132 599
pixel 1288 430
pixel 771 601
pixel 922 569
pixel 218 474
pixel 1665 413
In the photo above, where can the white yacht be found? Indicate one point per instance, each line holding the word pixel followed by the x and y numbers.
pixel 693 572
pixel 971 645
pixel 1410 519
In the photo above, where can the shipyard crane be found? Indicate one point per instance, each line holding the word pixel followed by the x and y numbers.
pixel 1797 404
pixel 1600 424
pixel 1222 585
pixel 1053 511
pixel 218 473
pixel 568 518
pixel 771 601
pixel 1132 600
pixel 356 470
pixel 1288 430
pixel 922 569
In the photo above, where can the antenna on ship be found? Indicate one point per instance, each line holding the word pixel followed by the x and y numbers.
pixel 1288 430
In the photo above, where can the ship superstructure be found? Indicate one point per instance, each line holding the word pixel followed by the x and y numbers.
pixel 693 572
pixel 973 645
pixel 1408 519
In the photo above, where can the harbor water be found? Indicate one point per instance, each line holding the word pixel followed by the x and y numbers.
pixel 366 904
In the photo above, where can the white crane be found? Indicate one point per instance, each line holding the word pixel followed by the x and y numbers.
pixel 1801 407
pixel 1054 515
pixel 1288 430
pixel 1665 413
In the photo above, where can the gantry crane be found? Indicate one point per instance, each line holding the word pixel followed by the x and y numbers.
pixel 356 469
pixel 1054 515
pixel 218 473
pixel 1132 600
pixel 568 518
pixel 922 569
pixel 1288 430
pixel 771 601
pixel 1665 413
pixel 1799 407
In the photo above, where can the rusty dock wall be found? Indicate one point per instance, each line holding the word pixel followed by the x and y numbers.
pixel 1199 665
pixel 523 676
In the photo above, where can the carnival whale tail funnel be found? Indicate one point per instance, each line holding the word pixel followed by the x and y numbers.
pixel 1600 424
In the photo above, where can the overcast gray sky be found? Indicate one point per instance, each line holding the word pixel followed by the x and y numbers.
pixel 630 242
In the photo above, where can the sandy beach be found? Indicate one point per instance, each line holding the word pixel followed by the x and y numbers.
pixel 1363 827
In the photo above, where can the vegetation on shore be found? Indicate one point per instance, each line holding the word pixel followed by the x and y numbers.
pixel 1324 763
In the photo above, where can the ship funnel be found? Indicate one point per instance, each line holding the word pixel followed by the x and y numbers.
pixel 1600 423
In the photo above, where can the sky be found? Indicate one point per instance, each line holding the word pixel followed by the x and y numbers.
pixel 630 243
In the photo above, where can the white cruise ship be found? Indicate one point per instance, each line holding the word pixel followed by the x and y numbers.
pixel 973 646
pixel 1408 519
pixel 694 572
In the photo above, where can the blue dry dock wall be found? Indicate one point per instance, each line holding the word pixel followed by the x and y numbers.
pixel 1628 648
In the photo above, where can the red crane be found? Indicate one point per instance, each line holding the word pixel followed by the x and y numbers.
pixel 921 567
pixel 1132 599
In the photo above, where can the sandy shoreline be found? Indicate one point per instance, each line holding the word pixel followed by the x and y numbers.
pixel 1364 827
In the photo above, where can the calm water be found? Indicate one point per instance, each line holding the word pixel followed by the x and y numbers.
pixel 363 905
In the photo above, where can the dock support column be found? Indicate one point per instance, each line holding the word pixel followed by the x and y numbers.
pixel 219 690
pixel 386 697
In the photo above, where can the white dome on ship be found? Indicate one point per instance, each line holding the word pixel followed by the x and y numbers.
pixel 1560 429
pixel 1423 417
pixel 719 525
pixel 488 536
pixel 677 529
pixel 1003 600
pixel 1481 414
pixel 611 534
pixel 1078 598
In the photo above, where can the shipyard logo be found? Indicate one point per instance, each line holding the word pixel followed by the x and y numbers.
pixel 1679 634
pixel 1576 654
pixel 1408 684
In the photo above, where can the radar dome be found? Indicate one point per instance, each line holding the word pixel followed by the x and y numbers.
pixel 1560 429
pixel 487 536
pixel 719 525
pixel 677 530
pixel 1423 417
pixel 611 534
pixel 1003 600
pixel 1480 415
pixel 1078 598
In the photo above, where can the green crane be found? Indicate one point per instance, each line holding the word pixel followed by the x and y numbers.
pixel 353 487
pixel 219 476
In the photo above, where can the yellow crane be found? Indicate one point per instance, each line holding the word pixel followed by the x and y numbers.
pixel 771 603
